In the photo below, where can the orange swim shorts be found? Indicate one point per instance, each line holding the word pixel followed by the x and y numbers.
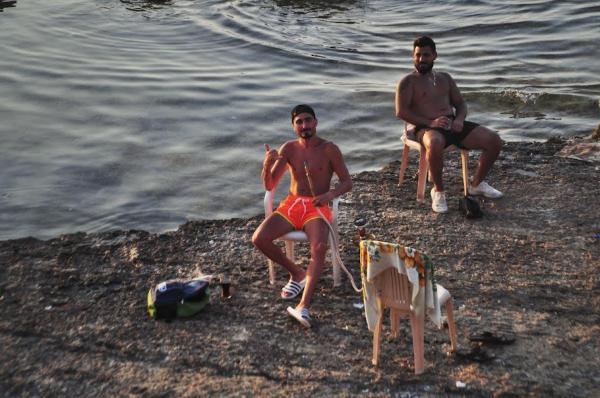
pixel 298 210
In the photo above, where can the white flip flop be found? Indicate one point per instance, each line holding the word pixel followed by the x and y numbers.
pixel 292 289
pixel 302 316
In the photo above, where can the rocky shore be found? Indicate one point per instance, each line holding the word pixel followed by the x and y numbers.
pixel 74 322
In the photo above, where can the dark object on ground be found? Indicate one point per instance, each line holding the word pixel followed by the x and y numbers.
pixel 490 338
pixel 469 207
pixel 177 298
pixel 476 354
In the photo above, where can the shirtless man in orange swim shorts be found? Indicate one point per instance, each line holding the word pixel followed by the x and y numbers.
pixel 299 210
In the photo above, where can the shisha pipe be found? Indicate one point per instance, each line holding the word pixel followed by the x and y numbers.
pixel 361 224
pixel 310 184
pixel 335 249
pixel 361 229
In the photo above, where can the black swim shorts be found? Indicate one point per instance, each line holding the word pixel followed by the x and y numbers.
pixel 451 137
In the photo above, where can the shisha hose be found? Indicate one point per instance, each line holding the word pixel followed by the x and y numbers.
pixel 335 249
pixel 310 184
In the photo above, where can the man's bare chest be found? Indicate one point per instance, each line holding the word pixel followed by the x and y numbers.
pixel 426 91
pixel 316 160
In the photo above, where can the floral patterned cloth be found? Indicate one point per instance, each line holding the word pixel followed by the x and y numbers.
pixel 376 257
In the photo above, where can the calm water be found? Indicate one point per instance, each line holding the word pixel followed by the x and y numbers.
pixel 145 114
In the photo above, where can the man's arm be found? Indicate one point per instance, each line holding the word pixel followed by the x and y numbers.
pixel 274 166
pixel 460 106
pixel 341 171
pixel 404 95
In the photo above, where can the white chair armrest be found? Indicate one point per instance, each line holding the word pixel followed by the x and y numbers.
pixel 268 202
pixel 443 294
pixel 335 207
pixel 408 136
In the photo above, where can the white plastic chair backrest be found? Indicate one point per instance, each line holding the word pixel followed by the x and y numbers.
pixel 394 289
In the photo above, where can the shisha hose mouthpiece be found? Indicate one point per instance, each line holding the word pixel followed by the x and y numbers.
pixel 310 184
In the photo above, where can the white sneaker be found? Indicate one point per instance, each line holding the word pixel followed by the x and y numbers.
pixel 486 190
pixel 438 201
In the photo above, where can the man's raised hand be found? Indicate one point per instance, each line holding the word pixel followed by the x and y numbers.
pixel 271 155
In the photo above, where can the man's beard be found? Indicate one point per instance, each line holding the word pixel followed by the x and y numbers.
pixel 306 134
pixel 424 68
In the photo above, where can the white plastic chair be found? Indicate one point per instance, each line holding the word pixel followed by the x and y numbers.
pixel 299 236
pixel 394 292
pixel 410 142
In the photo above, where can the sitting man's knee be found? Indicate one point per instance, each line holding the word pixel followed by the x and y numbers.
pixel 434 145
pixel 320 247
pixel 497 142
pixel 257 239
pixel 493 141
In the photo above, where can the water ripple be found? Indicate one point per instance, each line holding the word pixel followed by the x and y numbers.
pixel 142 114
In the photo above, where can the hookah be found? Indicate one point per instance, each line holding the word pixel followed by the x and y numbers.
pixel 335 249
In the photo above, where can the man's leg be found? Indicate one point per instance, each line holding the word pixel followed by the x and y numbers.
pixel 434 144
pixel 490 144
pixel 271 229
pixel 318 234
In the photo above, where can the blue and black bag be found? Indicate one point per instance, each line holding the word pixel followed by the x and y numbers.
pixel 178 298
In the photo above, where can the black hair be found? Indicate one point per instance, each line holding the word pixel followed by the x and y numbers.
pixel 424 41
pixel 302 108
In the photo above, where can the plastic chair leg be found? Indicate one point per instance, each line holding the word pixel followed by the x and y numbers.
pixel 289 252
pixel 272 272
pixel 464 157
pixel 377 337
pixel 422 180
pixel 417 325
pixel 403 164
pixel 451 324
pixel 337 269
pixel 395 322
pixel 289 249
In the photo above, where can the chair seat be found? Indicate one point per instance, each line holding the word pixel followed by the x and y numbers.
pixel 296 236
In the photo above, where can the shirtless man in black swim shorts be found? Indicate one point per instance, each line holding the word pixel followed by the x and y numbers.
pixel 431 102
